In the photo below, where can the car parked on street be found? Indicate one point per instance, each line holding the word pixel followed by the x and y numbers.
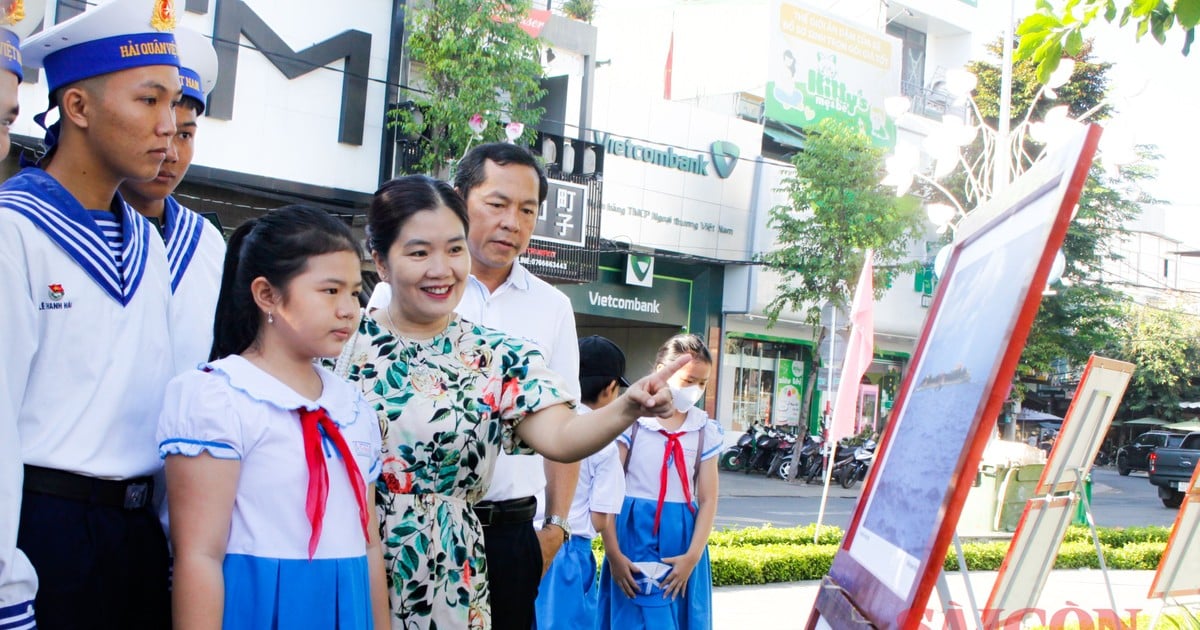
pixel 1136 455
pixel 1171 469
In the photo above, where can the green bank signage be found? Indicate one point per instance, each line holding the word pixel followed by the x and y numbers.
pixel 667 302
pixel 722 155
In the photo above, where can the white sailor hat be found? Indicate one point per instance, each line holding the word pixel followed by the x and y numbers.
pixel 114 36
pixel 197 64
pixel 15 23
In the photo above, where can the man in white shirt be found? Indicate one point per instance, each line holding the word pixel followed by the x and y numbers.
pixel 504 187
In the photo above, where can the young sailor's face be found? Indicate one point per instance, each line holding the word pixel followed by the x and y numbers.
pixel 132 120
pixel 9 108
pixel 176 163
pixel 319 309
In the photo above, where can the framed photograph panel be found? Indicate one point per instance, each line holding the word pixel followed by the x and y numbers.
pixel 947 407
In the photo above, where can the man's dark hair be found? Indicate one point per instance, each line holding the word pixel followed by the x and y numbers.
pixel 590 388
pixel 470 169
pixel 193 104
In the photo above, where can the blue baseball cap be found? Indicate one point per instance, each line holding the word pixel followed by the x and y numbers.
pixel 114 36
pixel 197 65
pixel 13 26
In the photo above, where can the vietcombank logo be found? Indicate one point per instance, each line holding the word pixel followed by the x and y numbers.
pixel 724 157
pixel 722 153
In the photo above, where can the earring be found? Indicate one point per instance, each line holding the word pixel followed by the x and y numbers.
pixel 270 317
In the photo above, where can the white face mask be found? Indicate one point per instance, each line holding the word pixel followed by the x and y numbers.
pixel 686 397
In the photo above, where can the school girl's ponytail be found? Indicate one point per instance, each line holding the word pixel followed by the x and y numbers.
pixel 235 326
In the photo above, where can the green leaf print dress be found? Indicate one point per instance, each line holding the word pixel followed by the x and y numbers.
pixel 446 407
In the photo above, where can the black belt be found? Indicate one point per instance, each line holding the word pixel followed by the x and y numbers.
pixel 506 512
pixel 129 494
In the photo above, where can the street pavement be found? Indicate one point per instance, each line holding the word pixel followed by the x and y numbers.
pixel 1117 501
pixel 787 606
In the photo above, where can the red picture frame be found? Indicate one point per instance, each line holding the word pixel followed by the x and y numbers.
pixel 957 382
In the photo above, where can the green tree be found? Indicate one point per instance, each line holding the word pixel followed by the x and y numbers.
pixel 1048 33
pixel 1082 315
pixel 583 10
pixel 1164 345
pixel 838 210
pixel 469 57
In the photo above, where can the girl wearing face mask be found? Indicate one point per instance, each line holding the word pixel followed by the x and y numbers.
pixel 658 574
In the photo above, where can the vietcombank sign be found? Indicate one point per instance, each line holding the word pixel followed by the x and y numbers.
pixel 722 155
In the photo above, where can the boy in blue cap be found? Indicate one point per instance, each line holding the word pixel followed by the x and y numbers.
pixel 13 26
pixel 195 247
pixel 85 350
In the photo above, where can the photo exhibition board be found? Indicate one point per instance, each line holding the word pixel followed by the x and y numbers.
pixel 959 378
pixel 1178 572
pixel 1097 397
pixel 1043 523
pixel 1030 559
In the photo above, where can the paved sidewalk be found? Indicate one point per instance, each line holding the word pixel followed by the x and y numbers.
pixel 787 606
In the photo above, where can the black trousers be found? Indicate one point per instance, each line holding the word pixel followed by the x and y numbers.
pixel 98 567
pixel 514 563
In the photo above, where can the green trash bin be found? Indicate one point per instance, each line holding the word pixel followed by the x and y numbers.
pixel 1081 514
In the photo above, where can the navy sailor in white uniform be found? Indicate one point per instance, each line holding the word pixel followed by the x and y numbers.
pixel 85 349
pixel 195 247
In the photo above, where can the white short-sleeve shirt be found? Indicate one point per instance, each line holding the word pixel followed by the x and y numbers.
pixel 234 410
pixel 646 456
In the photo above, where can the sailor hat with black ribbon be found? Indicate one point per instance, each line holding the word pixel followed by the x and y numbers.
pixel 114 36
pixel 197 65
pixel 18 18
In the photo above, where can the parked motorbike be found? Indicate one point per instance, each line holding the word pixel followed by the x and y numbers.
pixel 816 464
pixel 857 465
pixel 810 449
pixel 736 457
pixel 765 447
pixel 783 453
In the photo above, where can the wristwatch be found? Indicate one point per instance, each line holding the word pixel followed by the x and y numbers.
pixel 560 523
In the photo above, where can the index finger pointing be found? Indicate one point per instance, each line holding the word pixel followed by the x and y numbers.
pixel 669 369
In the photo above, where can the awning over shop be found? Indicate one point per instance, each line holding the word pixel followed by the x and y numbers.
pixel 1146 421
pixel 784 136
pixel 1031 415
pixel 1188 425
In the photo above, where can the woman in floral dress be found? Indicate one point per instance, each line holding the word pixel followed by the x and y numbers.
pixel 450 394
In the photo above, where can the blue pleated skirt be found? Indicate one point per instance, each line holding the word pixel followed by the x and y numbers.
pixel 274 594
pixel 567 595
pixel 635 527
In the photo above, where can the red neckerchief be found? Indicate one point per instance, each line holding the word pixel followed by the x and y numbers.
pixel 674 449
pixel 318 474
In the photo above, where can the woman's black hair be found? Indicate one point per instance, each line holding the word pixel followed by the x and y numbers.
pixel 275 246
pixel 398 199
pixel 680 345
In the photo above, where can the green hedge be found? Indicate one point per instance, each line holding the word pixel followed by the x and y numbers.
pixel 763 555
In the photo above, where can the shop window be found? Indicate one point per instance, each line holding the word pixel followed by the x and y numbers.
pixel 766 375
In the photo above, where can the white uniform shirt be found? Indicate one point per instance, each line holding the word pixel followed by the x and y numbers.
pixel 85 352
pixel 646 458
pixel 528 307
pixel 601 488
pixel 196 256
pixel 240 412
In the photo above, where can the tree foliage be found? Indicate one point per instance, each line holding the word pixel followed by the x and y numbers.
pixel 838 210
pixel 1049 33
pixel 468 57
pixel 1082 316
pixel 583 10
pixel 1164 344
